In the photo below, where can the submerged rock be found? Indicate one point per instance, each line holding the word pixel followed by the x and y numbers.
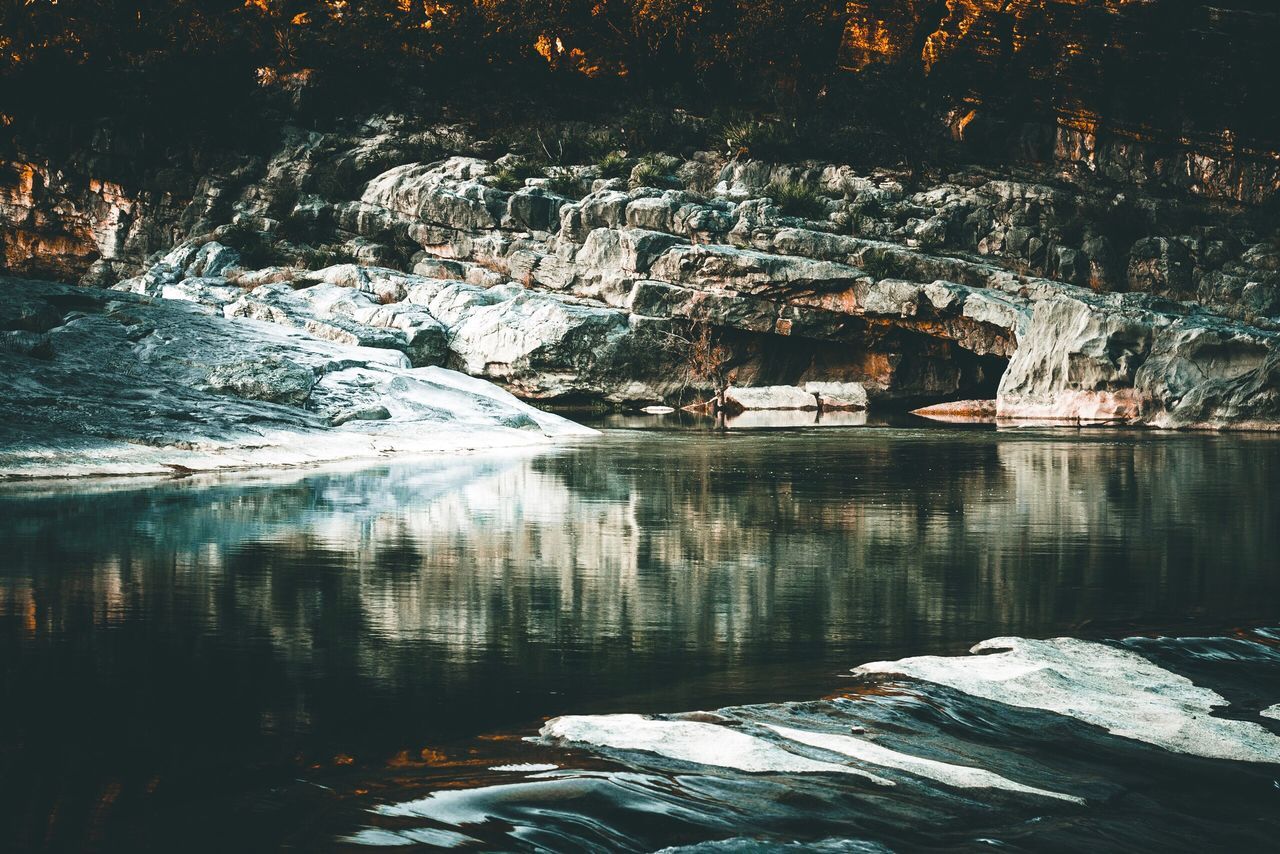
pixel 1107 686
pixel 691 741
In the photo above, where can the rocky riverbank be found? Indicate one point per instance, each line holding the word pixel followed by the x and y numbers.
pixel 96 382
pixel 661 280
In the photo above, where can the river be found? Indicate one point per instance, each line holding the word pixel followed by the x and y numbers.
pixel 351 658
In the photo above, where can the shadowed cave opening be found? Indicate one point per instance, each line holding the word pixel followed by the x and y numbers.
pixel 902 369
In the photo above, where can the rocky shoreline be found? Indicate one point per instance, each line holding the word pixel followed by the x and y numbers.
pixel 294 304
pixel 98 382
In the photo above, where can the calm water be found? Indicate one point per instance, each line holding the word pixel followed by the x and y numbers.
pixel 269 661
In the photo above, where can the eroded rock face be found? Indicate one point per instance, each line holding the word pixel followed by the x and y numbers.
pixel 625 294
pixel 120 383
pixel 72 224
pixel 1133 360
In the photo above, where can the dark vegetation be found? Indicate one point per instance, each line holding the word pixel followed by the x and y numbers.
pixel 563 182
pixel 795 199
pixel 174 65
pixel 773 79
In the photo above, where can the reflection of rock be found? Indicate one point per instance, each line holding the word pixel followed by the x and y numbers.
pixel 123 383
pixel 646 560
pixel 777 419
pixel 658 542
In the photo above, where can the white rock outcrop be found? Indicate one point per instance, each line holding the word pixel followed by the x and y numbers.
pixel 105 382
pixel 768 397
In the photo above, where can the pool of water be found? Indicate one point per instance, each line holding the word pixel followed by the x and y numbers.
pixel 288 659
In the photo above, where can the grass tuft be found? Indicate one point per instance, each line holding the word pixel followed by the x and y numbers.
pixel 763 140
pixel 512 175
pixel 651 171
pixel 799 200
pixel 613 165
pixel 563 182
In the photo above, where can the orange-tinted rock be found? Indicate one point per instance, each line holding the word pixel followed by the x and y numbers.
pixel 1176 94
pixel 960 411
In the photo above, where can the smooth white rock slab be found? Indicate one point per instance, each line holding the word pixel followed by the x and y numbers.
pixel 690 741
pixel 1112 688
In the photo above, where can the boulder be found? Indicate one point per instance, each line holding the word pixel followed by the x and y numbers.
pixel 205 291
pixel 1134 360
pixel 611 259
pixel 749 271
pixel 323 310
pixel 434 194
pixel 718 307
pixel 212 259
pixel 541 347
pixel 838 395
pixel 275 379
pixel 1159 265
pixel 533 209
pixel 738 399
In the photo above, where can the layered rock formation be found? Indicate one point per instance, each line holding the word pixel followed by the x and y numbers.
pixel 590 288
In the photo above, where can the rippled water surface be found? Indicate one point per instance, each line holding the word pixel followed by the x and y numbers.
pixel 359 658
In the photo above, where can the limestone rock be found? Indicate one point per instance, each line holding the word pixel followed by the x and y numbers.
pixel 1140 361
pixel 835 395
pixel 719 307
pixel 131 384
pixel 738 399
pixel 541 347
pixel 749 271
pixel 916 295
pixel 212 259
pixel 276 379
pixel 434 194
pixel 611 259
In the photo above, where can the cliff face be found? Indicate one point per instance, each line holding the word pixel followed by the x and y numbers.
pixel 689 274
pixel 63 222
pixel 1167 92
pixel 577 285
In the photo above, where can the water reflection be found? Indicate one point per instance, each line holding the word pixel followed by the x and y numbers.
pixel 204 634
